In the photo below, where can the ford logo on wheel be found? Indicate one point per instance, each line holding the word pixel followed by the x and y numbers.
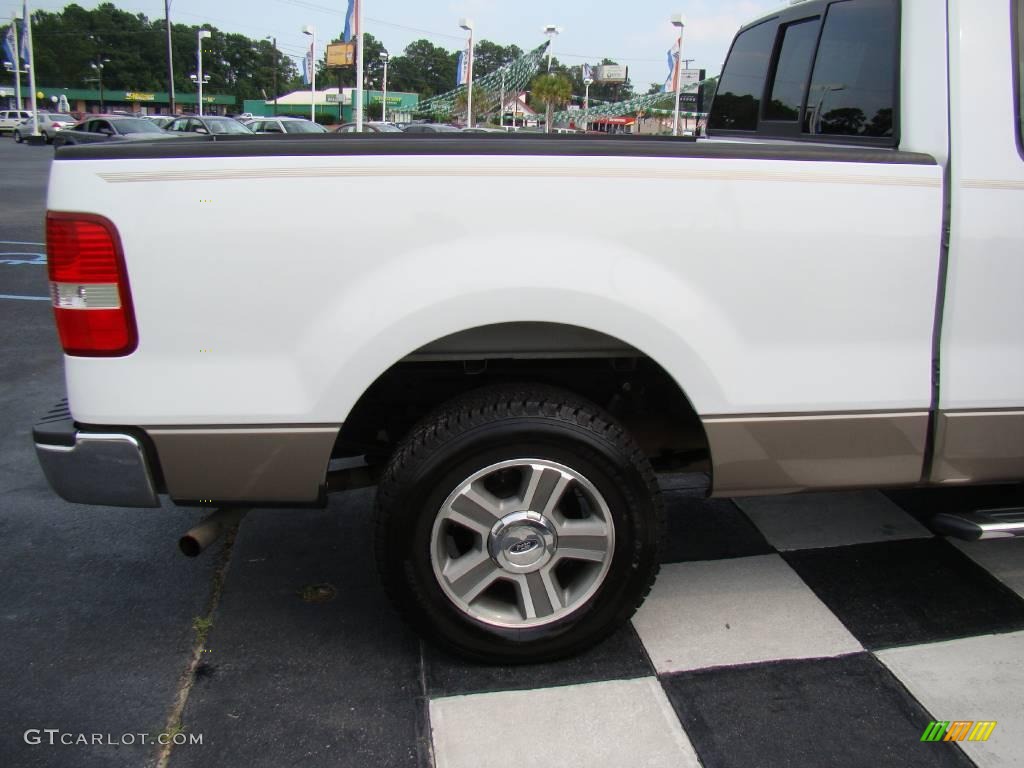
pixel 521 547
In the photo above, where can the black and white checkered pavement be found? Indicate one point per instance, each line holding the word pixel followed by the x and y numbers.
pixel 816 630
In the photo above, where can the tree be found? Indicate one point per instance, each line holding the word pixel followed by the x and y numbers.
pixel 551 91
pixel 423 68
pixel 68 42
pixel 489 57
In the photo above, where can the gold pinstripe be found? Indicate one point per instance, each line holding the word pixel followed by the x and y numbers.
pixel 666 174
pixel 1014 186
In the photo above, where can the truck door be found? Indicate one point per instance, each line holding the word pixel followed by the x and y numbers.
pixel 979 431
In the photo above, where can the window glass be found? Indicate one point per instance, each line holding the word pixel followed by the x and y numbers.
pixel 135 125
pixel 790 78
pixel 302 127
pixel 222 125
pixel 852 89
pixel 739 93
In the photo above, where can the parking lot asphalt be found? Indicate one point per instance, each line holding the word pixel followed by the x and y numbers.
pixel 770 639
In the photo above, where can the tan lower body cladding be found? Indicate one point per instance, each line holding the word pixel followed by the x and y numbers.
pixel 244 464
pixel 782 454
pixel 979 447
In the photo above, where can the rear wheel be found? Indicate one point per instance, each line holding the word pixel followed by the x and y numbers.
pixel 17 137
pixel 518 524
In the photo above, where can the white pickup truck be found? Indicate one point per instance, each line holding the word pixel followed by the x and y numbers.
pixel 511 334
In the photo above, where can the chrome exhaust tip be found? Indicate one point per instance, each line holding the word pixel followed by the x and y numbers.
pixel 209 530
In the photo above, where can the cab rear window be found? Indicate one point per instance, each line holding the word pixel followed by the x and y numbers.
pixel 821 71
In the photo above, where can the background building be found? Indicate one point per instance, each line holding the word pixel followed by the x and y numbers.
pixel 87 100
pixel 400 105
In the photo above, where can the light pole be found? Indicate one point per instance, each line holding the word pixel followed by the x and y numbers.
pixel 552 32
pixel 586 101
pixel 202 34
pixel 310 30
pixel 501 104
pixel 677 21
pixel 98 66
pixel 467 24
pixel 170 59
pixel 384 100
pixel 273 43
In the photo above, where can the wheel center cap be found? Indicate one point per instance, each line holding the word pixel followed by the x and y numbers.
pixel 522 542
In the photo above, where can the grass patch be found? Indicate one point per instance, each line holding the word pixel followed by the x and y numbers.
pixel 202 626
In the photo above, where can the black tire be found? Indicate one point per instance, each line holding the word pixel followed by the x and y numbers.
pixel 497 424
pixel 17 137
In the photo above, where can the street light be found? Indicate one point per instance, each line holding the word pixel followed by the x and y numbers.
pixel 677 21
pixel 310 30
pixel 98 66
pixel 273 42
pixel 552 32
pixel 202 34
pixel 384 101
pixel 467 24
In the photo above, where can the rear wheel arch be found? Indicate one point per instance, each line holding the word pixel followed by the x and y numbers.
pixel 632 386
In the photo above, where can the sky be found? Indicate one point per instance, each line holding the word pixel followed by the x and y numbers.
pixel 637 33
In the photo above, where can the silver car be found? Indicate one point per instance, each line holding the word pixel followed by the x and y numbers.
pixel 49 124
pixel 283 125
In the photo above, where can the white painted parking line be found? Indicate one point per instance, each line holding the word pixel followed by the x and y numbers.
pixel 36 258
pixel 24 298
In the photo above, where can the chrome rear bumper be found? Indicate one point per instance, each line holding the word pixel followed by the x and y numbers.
pixel 108 468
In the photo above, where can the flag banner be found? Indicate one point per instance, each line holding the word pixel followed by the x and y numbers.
pixel 307 65
pixel 462 68
pixel 588 72
pixel 9 54
pixel 670 85
pixel 26 55
pixel 351 21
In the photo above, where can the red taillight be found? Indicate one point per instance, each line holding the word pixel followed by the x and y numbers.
pixel 92 301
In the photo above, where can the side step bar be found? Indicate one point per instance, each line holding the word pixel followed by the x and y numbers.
pixel 982 524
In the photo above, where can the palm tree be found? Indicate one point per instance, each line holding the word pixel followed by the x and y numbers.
pixel 551 91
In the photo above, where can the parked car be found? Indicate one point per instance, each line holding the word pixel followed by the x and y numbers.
pixel 481 129
pixel 9 119
pixel 369 127
pixel 430 128
pixel 208 124
pixel 109 128
pixel 824 295
pixel 49 124
pixel 283 125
